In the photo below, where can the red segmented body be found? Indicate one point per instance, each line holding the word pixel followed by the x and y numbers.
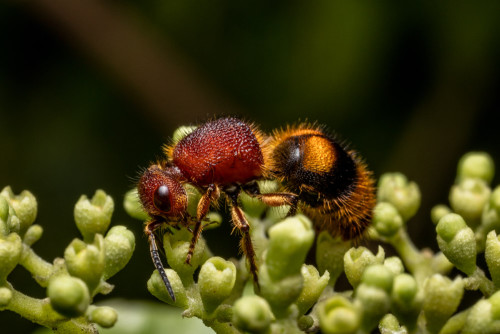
pixel 223 152
pixel 223 156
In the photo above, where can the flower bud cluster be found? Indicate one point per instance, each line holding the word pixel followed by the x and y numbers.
pixel 407 293
pixel 71 283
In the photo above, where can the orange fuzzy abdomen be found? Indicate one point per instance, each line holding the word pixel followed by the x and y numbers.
pixel 223 152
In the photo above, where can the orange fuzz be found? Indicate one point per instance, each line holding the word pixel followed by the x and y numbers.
pixel 333 185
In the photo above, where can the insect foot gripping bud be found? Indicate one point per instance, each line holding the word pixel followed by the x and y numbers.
pixel 252 314
pixel 397 190
pixel 441 299
pixel 216 281
pixel 338 315
pixel 68 295
pixel 476 165
pixel 24 205
pixel 456 240
pixel 93 216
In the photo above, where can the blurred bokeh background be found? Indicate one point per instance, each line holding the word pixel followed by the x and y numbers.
pixel 90 90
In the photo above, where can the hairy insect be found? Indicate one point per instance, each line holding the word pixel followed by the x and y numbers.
pixel 221 158
pixel 333 185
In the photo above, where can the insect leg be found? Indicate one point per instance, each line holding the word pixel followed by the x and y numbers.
pixel 241 223
pixel 211 195
pixel 273 199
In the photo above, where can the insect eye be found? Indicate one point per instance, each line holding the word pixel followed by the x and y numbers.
pixel 162 198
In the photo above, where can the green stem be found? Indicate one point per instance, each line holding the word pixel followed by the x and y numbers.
pixel 38 267
pixel 478 280
pixel 40 312
pixel 418 264
pixel 222 327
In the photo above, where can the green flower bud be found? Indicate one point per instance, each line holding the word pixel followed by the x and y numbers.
pixel 438 212
pixel 404 290
pixel 252 314
pixel 390 324
pixel 10 253
pixel 157 288
pixel 397 190
pixel 313 286
pixel 4 216
pixel 5 296
pixel 24 205
pixel 386 219
pixel 374 302
pixel 492 255
pixel 14 223
pixel 442 297
pixel 394 264
pixel 484 316
pixel 289 242
pixel 93 216
pixel 305 322
pixel 215 282
pixel 379 276
pixel 495 200
pixel 86 261
pixel 33 234
pixel 330 255
pixel 456 240
pixel 176 247
pixel 455 324
pixel 133 205
pixel 104 316
pixel 468 199
pixel 182 132
pixel 476 165
pixel 119 244
pixel 495 305
pixel 357 259
pixel 68 295
pixel 337 315
pixel 406 304
pixel 280 293
pixel 194 197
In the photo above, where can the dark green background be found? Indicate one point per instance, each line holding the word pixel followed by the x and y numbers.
pixel 89 92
